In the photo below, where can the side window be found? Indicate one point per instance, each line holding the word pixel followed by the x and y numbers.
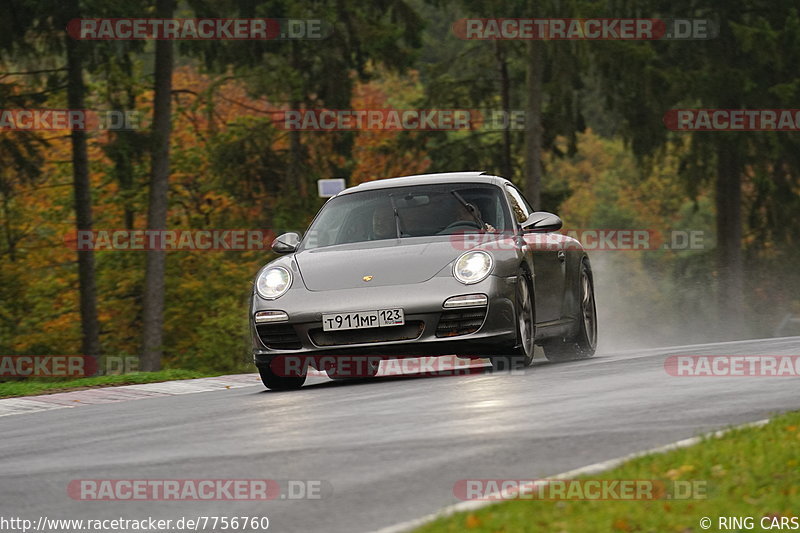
pixel 518 204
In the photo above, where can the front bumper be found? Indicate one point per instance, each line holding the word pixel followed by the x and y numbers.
pixel 428 331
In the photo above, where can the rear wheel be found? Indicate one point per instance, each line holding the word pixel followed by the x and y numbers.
pixel 584 343
pixel 275 381
pixel 523 356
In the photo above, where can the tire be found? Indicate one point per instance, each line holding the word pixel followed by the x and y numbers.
pixel 526 324
pixel 273 381
pixel 584 343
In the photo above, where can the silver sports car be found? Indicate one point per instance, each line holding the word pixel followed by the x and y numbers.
pixel 437 264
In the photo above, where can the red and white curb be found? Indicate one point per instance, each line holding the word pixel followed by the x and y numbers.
pixel 123 393
pixel 587 470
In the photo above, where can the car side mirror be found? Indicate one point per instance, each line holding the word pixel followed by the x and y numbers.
pixel 286 243
pixel 542 221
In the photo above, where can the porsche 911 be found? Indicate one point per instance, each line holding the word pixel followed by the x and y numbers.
pixel 428 265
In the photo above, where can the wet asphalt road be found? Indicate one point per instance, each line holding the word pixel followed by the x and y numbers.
pixel 388 450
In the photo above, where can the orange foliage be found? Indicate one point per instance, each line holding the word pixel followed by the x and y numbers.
pixel 375 153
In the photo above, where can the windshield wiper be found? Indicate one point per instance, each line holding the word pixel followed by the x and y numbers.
pixel 396 216
pixel 471 209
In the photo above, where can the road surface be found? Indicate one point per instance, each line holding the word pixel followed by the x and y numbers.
pixel 388 450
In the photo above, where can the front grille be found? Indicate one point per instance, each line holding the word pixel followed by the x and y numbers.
pixel 279 336
pixel 460 322
pixel 410 330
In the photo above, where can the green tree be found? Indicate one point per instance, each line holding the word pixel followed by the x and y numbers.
pixel 749 65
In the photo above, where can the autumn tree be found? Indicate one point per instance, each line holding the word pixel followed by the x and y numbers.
pixel 40 31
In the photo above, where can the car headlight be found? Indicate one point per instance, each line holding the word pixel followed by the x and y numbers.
pixel 472 267
pixel 273 282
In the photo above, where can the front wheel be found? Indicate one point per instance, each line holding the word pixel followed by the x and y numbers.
pixel 584 343
pixel 523 356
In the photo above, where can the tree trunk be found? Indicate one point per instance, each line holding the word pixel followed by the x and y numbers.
pixel 296 179
pixel 90 327
pixel 505 102
pixel 730 269
pixel 153 305
pixel 11 240
pixel 125 148
pixel 533 123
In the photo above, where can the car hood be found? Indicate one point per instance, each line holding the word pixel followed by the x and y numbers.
pixel 389 262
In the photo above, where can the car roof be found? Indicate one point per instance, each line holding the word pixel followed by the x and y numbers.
pixel 474 176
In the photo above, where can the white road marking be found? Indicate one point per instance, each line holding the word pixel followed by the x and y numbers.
pixel 18 406
pixel 591 469
pixel 61 400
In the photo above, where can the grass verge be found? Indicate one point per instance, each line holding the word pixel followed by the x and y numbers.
pixel 32 387
pixel 747 472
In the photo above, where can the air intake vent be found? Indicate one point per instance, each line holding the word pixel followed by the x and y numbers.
pixel 279 336
pixel 453 323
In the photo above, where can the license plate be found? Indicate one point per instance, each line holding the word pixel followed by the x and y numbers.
pixel 363 319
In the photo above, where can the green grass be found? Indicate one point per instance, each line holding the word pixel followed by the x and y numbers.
pixel 747 472
pixel 45 386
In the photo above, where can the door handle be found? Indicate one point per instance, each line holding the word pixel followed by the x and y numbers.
pixel 561 255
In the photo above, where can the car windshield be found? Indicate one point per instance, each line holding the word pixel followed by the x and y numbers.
pixel 411 211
